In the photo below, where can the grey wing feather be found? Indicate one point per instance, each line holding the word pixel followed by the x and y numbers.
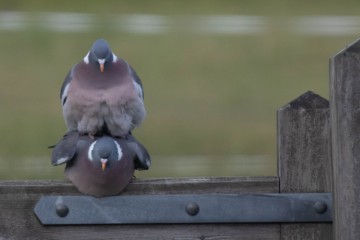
pixel 65 87
pixel 142 157
pixel 65 150
pixel 137 79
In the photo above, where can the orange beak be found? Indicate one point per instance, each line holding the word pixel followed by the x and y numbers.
pixel 101 67
pixel 103 163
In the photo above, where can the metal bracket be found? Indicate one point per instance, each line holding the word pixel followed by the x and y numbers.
pixel 201 208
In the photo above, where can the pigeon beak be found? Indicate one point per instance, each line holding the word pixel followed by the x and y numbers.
pixel 103 163
pixel 101 64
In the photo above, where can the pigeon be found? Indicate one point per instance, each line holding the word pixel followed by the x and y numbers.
pixel 102 94
pixel 102 166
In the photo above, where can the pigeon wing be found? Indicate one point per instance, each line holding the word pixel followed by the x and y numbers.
pixel 65 150
pixel 142 159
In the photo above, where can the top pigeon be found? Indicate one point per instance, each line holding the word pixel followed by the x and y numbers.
pixel 102 94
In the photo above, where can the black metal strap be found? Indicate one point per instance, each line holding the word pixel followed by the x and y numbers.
pixel 197 208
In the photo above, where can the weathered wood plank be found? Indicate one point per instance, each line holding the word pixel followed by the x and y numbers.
pixel 18 198
pixel 304 157
pixel 157 186
pixel 345 125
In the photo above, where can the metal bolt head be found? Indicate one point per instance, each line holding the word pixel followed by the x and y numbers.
pixel 320 207
pixel 62 210
pixel 192 208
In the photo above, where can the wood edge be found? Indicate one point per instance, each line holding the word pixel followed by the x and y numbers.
pixel 39 183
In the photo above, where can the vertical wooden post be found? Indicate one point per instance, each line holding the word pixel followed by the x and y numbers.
pixel 303 140
pixel 345 126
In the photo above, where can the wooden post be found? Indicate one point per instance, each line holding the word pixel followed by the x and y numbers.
pixel 345 126
pixel 303 140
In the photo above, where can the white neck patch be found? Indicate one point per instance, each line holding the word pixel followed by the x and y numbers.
pixel 114 58
pixel 91 148
pixel 86 58
pixel 119 151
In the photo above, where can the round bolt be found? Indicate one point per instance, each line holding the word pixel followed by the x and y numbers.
pixel 62 210
pixel 320 207
pixel 192 208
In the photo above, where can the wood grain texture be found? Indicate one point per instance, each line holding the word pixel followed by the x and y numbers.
pixel 18 198
pixel 345 124
pixel 304 157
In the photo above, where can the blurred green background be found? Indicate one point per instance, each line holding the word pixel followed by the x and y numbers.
pixel 214 74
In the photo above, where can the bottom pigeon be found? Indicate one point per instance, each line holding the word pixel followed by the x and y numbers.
pixel 100 166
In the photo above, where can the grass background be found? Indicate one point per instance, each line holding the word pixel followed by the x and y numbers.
pixel 211 99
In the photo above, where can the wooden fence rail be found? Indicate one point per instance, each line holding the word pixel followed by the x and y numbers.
pixel 318 152
pixel 18 198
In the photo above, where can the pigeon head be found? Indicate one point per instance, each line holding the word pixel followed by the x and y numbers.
pixel 104 152
pixel 100 53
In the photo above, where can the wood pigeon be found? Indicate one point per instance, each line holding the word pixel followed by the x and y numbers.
pixel 102 94
pixel 101 166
